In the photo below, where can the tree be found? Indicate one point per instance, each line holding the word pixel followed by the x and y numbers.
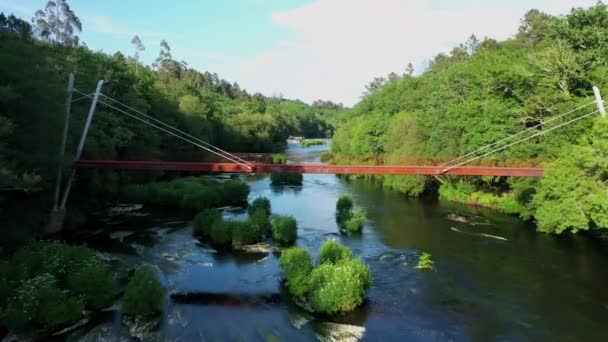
pixel 138 46
pixel 58 23
pixel 533 27
pixel 409 70
pixel 15 25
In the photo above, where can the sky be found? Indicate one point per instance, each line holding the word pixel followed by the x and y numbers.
pixel 304 49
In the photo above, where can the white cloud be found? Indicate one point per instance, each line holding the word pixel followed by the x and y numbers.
pixel 343 44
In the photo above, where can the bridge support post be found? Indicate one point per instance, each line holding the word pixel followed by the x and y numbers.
pixel 599 101
pixel 58 215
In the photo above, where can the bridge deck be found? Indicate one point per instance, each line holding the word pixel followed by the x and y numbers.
pixel 311 168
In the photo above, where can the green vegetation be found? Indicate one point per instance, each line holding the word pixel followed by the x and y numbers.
pixel 47 285
pixel 278 158
pixel 284 230
pixel 260 203
pixel 483 91
pixel 312 142
pixel 337 284
pixel 191 193
pixel 245 233
pixel 144 295
pixel 425 262
pixel 261 220
pixel 333 252
pixel 286 178
pixel 339 287
pixel 221 233
pixel 204 220
pixel 297 266
pixel 349 221
pixel 354 223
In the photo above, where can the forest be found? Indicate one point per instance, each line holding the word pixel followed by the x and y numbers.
pixel 35 60
pixel 483 91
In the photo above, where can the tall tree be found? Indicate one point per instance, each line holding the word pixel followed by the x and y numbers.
pixel 58 23
pixel 138 46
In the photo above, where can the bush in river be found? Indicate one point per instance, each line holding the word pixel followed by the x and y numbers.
pixel 278 158
pixel 344 207
pixel 244 232
pixel 144 295
pixel 285 230
pixel 337 284
pixel 221 233
pixel 338 287
pixel 204 220
pixel 261 220
pixel 354 223
pixel 312 142
pixel 286 178
pixel 297 265
pixel 425 262
pixel 260 203
pixel 333 252
pixel 47 284
pixel 191 193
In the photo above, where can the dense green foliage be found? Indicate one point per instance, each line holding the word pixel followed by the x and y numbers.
pixel 337 284
pixel 425 262
pixel 144 295
pixel 354 223
pixel 192 193
pixel 312 142
pixel 333 252
pixel 49 284
pixel 204 220
pixel 245 233
pixel 286 178
pixel 483 91
pixel 344 205
pixel 297 265
pixel 260 219
pixel 278 158
pixel 338 287
pixel 260 203
pixel 221 233
pixel 35 60
pixel 284 230
pixel 573 193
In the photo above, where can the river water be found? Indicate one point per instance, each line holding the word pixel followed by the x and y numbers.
pixel 509 284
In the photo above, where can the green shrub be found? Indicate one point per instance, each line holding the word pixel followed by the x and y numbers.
pixel 312 142
pixel 144 295
pixel 297 265
pixel 285 230
pixel 262 221
pixel 204 220
pixel 40 302
pixel 425 262
pixel 221 233
pixel 344 207
pixel 95 283
pixel 192 193
pixel 286 178
pixel 245 233
pixel 338 287
pixel 333 252
pixel 278 158
pixel 326 156
pixel 354 223
pixel 260 203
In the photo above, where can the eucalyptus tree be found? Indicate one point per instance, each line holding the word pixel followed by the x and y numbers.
pixel 57 23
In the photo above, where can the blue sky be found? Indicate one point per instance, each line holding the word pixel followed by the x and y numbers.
pixel 307 49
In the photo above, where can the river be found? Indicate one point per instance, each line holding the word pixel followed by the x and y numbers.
pixel 509 284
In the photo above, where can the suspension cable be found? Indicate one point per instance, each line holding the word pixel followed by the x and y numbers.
pixel 171 133
pixel 516 134
pixel 519 141
pixel 176 129
pixel 82 97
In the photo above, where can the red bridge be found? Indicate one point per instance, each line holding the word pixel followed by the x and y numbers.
pixel 312 168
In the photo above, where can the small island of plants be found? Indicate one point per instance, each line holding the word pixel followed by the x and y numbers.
pixel 337 283
pixel 209 225
pixel 312 142
pixel 349 220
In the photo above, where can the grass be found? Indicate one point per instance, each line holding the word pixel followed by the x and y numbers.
pixel 312 142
